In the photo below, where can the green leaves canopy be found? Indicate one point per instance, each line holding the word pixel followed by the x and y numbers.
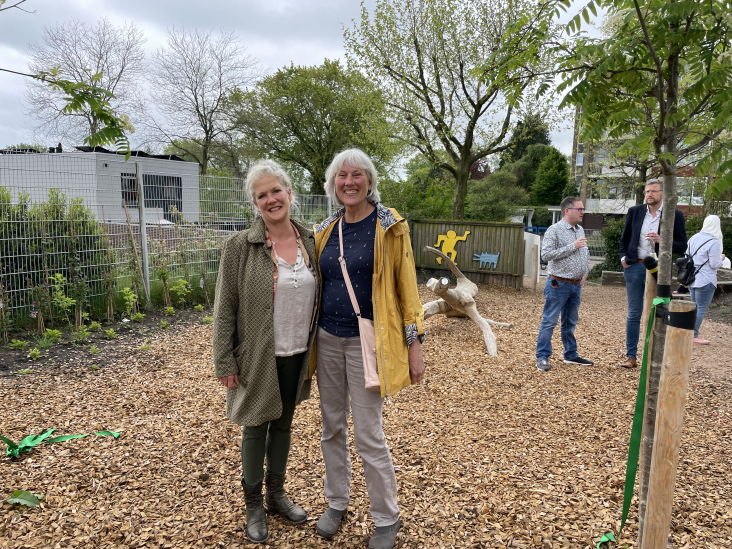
pixel 306 115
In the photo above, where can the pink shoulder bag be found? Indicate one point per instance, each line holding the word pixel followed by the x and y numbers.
pixel 365 328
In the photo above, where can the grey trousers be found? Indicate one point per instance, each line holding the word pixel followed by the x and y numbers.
pixel 340 379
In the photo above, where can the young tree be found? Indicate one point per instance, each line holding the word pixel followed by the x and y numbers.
pixel 104 56
pixel 306 115
pixel 454 73
pixel 552 177
pixel 531 131
pixel 525 168
pixel 630 84
pixel 190 83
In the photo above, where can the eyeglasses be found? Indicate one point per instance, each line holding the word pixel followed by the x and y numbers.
pixel 578 209
pixel 652 192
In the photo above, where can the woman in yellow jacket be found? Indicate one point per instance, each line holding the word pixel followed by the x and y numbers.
pixel 380 265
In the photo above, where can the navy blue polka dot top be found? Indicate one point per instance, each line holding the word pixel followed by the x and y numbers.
pixel 338 317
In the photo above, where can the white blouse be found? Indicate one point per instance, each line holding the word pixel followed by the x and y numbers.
pixel 293 306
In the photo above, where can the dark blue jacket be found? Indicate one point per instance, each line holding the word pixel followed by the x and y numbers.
pixel 631 233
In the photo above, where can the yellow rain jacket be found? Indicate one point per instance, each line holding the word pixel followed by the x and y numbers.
pixel 397 308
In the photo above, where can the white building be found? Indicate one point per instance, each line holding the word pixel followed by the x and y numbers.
pixel 106 182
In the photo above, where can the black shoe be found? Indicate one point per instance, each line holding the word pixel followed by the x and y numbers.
pixel 256 517
pixel 542 364
pixel 329 522
pixel 578 360
pixel 276 501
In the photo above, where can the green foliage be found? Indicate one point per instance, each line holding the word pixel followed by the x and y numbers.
pixel 532 131
pixel 34 354
pixel 21 497
pixel 525 168
pixel 80 335
pixel 198 308
pixel 662 75
pixel 305 115
pixel 164 324
pixel 110 334
pixel 95 327
pixel 145 347
pixel 18 344
pixel 93 349
pixel 130 298
pixel 452 73
pixel 138 317
pixel 181 289
pixel 570 189
pixel 54 335
pixel 542 217
pixel 428 191
pixel 495 198
pixel 207 319
pixel 57 236
pixel 170 311
pixel 44 342
pixel 611 237
pixel 94 367
pixel 552 177
pixel 24 371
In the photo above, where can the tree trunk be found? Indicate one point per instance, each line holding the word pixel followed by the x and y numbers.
pixel 317 182
pixel 461 190
pixel 204 158
pixel 640 187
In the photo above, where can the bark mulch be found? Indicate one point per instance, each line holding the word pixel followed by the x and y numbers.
pixel 489 452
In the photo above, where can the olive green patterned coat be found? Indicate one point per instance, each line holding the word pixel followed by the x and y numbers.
pixel 243 329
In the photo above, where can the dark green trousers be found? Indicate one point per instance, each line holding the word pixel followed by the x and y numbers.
pixel 272 438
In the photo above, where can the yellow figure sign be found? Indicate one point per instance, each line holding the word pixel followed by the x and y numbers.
pixel 448 247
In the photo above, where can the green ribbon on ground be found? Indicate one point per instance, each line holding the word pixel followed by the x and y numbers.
pixel 607 537
pixel 31 441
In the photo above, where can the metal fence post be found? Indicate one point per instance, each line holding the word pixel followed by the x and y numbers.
pixel 330 206
pixel 143 229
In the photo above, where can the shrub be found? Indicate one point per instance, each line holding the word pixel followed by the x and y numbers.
pixel 198 308
pixel 95 327
pixel 207 319
pixel 611 237
pixel 54 335
pixel 164 324
pixel 80 335
pixel 180 288
pixel 18 344
pixel 35 354
pixel 93 349
pixel 44 342
pixel 170 311
pixel 110 334
pixel 138 317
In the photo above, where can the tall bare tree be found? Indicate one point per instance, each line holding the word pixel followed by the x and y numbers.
pixel 191 81
pixel 105 56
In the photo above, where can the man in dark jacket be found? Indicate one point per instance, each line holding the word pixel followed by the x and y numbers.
pixel 640 238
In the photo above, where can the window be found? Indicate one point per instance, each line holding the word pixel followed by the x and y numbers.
pixel 580 159
pixel 164 192
pixel 129 189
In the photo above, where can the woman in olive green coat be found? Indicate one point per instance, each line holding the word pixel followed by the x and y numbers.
pixel 264 326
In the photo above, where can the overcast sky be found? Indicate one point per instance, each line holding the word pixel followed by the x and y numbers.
pixel 277 32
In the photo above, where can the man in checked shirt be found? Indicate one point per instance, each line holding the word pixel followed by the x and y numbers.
pixel 565 248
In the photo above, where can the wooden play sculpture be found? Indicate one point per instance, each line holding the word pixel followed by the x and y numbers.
pixel 459 302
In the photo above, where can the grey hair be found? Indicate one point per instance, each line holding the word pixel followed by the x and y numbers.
pixel 355 158
pixel 568 202
pixel 658 182
pixel 262 168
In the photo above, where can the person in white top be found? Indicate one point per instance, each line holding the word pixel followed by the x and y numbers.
pixel 707 247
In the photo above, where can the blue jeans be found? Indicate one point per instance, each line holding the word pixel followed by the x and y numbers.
pixel 702 297
pixel 635 284
pixel 564 299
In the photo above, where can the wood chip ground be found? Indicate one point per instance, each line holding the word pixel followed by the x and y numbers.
pixel 489 452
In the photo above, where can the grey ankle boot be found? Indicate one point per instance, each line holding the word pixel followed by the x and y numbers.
pixel 276 501
pixel 385 536
pixel 256 517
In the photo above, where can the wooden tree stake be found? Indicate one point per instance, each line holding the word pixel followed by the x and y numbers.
pixel 669 423
pixel 534 266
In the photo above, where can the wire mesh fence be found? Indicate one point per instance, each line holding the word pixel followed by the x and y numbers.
pixel 84 226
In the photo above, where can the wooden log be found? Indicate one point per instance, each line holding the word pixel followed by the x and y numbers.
pixel 534 266
pixel 669 423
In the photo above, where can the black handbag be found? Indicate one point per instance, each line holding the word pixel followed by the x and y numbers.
pixel 687 271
